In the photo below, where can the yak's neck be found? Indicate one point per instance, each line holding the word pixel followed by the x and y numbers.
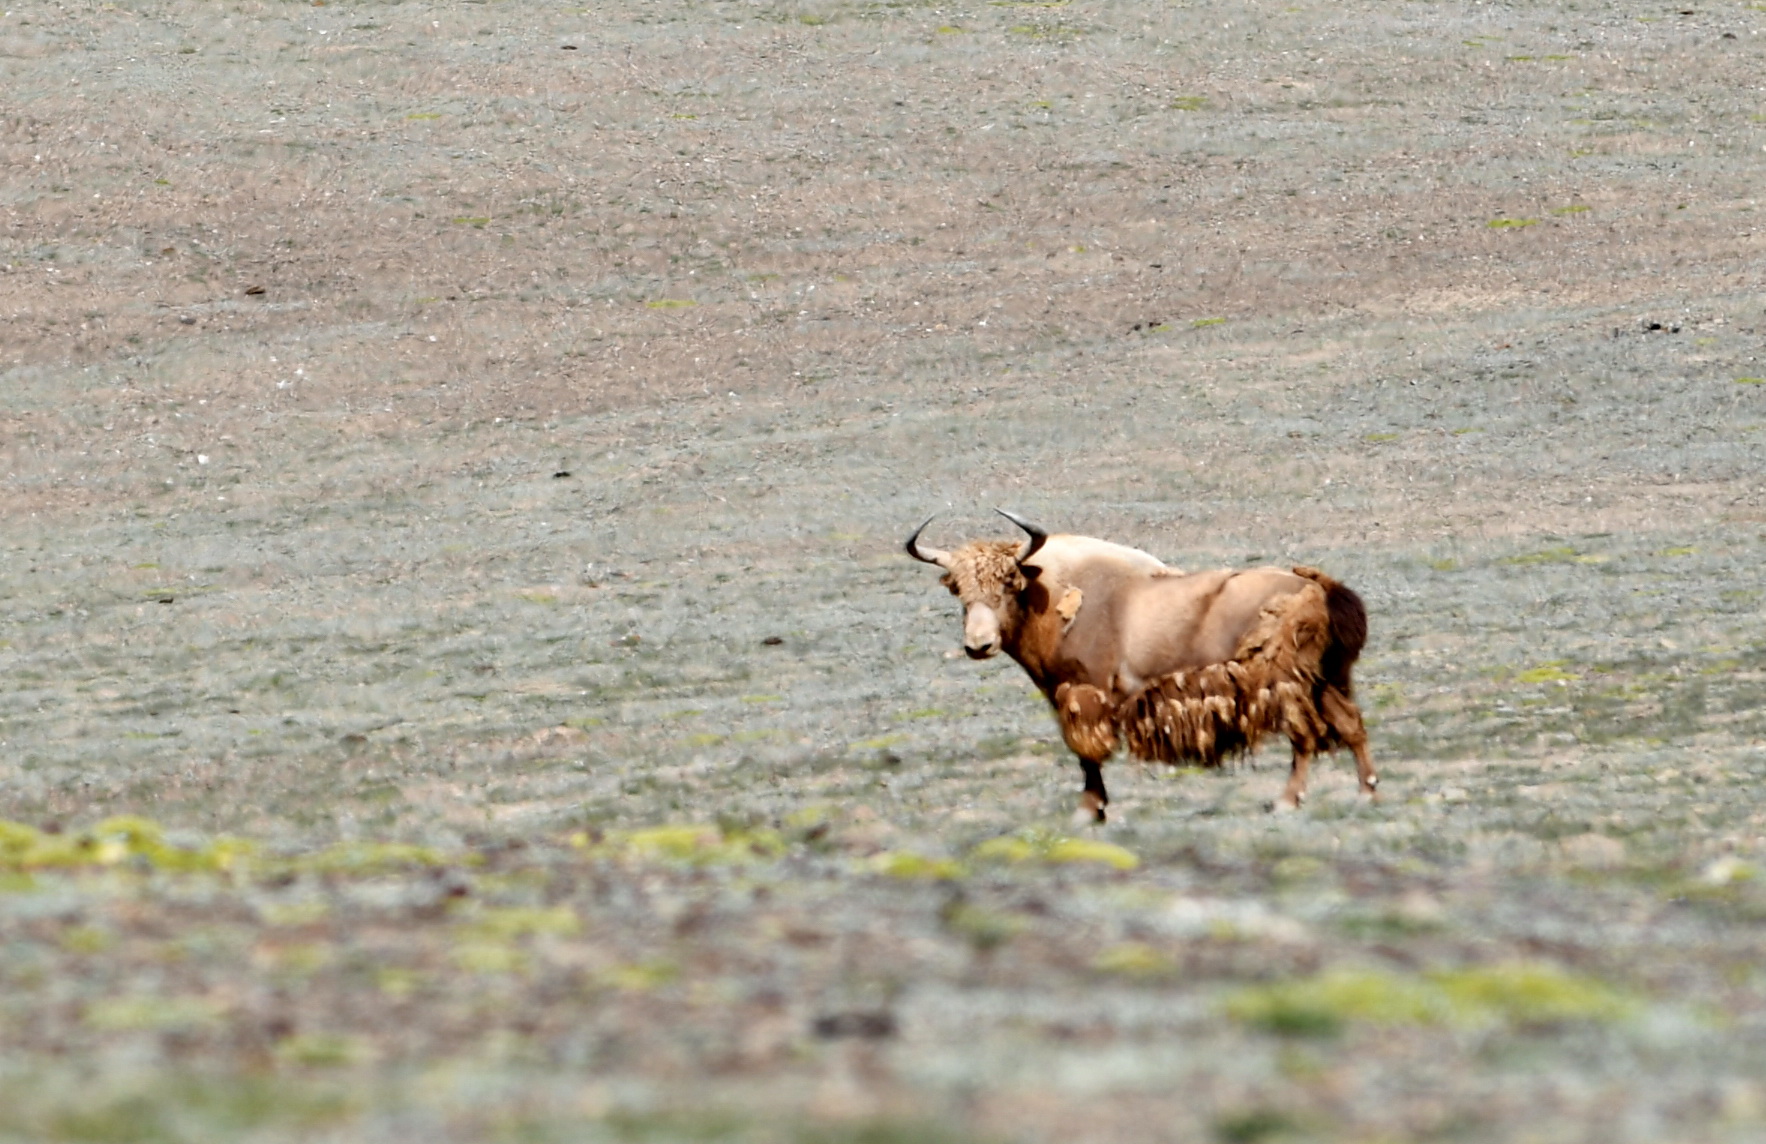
pixel 1034 668
pixel 1036 646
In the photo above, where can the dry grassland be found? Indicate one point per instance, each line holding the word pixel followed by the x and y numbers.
pixel 462 682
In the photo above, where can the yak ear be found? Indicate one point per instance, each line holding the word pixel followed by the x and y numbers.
pixel 1037 536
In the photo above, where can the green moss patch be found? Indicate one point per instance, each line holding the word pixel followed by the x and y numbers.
pixel 1513 996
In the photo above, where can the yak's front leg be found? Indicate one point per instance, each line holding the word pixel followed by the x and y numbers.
pixel 1088 725
pixel 1094 798
pixel 1295 792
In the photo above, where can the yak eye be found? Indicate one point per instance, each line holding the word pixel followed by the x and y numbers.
pixel 950 582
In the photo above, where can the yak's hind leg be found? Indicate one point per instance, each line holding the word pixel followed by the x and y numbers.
pixel 1088 724
pixel 1342 725
pixel 1344 720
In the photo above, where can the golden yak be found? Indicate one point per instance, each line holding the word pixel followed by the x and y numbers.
pixel 1180 668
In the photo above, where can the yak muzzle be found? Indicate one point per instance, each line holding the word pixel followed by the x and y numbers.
pixel 981 632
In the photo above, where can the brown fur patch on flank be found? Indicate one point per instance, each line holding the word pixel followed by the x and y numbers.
pixel 1271 685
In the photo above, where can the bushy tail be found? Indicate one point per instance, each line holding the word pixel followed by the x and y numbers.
pixel 1348 630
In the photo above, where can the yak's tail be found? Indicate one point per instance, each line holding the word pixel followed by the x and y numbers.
pixel 1348 617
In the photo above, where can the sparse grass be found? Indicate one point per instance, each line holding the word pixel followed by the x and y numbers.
pixel 1558 554
pixel 545 738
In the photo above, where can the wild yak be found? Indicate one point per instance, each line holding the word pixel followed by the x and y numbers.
pixel 1181 668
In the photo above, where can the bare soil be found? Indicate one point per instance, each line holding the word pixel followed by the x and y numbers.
pixel 444 443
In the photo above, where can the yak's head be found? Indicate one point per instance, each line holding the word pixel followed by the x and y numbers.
pixel 989 577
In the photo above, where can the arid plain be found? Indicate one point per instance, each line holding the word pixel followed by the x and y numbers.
pixel 461 677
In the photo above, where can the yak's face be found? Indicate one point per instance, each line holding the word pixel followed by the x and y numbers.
pixel 990 578
pixel 986 577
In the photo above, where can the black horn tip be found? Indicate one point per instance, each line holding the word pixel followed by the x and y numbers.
pixel 1021 523
pixel 913 544
pixel 1037 536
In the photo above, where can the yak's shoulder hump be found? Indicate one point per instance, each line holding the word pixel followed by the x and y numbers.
pixel 1070 558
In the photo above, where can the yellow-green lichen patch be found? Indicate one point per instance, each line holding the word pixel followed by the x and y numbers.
pixel 152 1014
pixel 323 1050
pixel 909 866
pixel 984 929
pixel 1546 673
pixel 113 841
pixel 639 976
pixel 1559 554
pixel 1515 995
pixel 1135 960
pixel 511 922
pixel 689 844
pixel 1036 846
pixel 363 858
pixel 490 958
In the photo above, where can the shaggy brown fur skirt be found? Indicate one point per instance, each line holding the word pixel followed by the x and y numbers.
pixel 1270 686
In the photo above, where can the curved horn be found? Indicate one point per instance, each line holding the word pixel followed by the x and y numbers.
pixel 936 556
pixel 1037 536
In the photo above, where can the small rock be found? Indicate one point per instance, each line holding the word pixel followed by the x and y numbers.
pixel 868 1026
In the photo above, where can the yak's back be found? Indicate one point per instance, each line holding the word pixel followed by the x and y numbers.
pixel 1180 622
